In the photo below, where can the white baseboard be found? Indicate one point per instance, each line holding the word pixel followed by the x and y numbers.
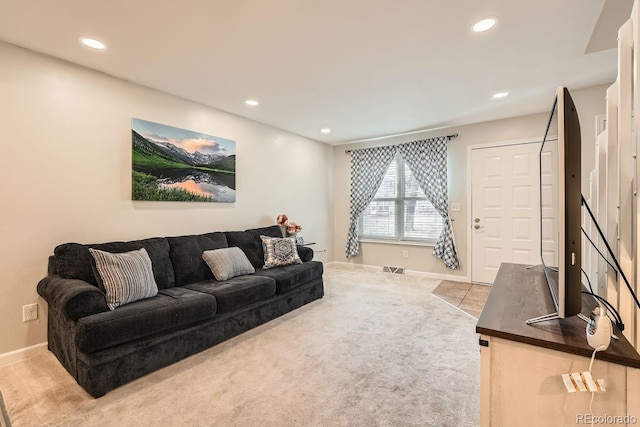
pixel 417 273
pixel 22 353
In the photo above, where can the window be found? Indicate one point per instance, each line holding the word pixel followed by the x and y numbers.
pixel 400 210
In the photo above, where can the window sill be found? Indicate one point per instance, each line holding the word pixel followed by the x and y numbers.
pixel 398 242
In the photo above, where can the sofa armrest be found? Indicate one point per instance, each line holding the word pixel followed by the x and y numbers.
pixel 305 253
pixel 72 297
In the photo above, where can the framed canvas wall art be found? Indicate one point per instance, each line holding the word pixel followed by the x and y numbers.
pixel 173 164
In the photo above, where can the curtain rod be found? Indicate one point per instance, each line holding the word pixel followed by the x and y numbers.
pixel 452 136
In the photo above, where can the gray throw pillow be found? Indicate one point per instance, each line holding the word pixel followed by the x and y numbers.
pixel 280 251
pixel 126 277
pixel 226 263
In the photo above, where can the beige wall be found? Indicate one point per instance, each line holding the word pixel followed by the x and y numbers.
pixel 589 103
pixel 65 168
pixel 66 165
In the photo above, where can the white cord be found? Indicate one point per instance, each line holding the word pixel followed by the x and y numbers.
pixel 593 356
pixel 593 393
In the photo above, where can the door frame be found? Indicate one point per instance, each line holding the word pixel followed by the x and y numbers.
pixel 481 146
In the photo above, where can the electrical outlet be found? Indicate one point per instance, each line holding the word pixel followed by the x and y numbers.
pixel 29 312
pixel 405 254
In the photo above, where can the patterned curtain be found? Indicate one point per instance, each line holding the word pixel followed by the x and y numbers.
pixel 427 160
pixel 368 167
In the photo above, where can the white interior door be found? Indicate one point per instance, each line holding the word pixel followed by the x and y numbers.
pixel 505 208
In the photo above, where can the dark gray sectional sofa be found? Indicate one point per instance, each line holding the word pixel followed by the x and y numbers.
pixel 104 349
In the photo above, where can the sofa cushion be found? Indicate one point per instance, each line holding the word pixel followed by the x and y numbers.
pixel 125 277
pixel 73 260
pixel 237 292
pixel 171 309
pixel 292 276
pixel 226 263
pixel 250 243
pixel 186 256
pixel 271 231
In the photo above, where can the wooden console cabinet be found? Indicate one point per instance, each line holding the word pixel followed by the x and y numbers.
pixel 521 365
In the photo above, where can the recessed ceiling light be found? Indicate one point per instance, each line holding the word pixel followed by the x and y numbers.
pixel 93 43
pixel 252 102
pixel 500 95
pixel 325 130
pixel 484 25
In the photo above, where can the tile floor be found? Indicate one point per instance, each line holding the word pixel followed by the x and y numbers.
pixel 467 297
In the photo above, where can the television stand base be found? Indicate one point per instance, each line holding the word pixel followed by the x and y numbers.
pixel 542 265
pixel 539 319
pixel 552 316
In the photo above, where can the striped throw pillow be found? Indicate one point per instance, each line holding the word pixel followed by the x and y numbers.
pixel 226 263
pixel 127 276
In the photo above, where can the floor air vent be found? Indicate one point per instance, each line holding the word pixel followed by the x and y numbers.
pixel 390 269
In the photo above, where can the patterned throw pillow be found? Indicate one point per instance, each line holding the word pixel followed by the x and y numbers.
pixel 226 263
pixel 126 277
pixel 279 251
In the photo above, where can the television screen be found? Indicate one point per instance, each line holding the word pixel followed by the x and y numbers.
pixel 549 203
pixel 561 206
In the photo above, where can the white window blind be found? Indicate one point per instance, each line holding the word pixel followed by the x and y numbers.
pixel 400 211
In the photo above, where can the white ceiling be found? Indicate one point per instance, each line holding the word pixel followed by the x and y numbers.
pixel 365 68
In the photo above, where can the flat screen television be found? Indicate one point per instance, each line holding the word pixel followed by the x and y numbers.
pixel 561 208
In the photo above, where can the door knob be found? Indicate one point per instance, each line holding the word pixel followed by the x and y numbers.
pixel 477 226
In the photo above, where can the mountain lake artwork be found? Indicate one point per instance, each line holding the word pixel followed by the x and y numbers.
pixel 172 164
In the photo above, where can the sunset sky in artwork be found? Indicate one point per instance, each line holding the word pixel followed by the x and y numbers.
pixel 186 139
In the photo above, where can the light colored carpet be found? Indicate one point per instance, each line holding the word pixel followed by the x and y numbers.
pixel 4 417
pixel 377 350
